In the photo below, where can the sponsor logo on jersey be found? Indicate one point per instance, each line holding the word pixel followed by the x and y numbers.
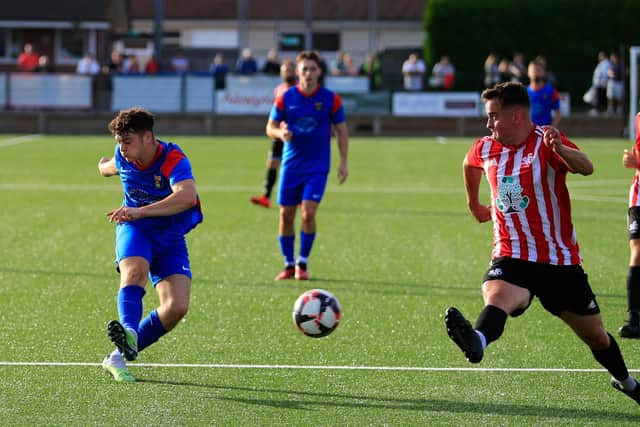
pixel 510 198
pixel 527 160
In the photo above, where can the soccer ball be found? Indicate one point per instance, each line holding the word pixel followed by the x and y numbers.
pixel 316 313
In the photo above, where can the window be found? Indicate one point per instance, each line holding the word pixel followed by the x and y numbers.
pixel 291 42
pixel 324 42
pixel 72 45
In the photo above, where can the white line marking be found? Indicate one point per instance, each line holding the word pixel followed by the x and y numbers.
pixel 315 367
pixel 20 139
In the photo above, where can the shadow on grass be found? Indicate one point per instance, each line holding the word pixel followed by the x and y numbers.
pixel 295 399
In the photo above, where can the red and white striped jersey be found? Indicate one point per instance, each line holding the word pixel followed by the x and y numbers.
pixel 530 205
pixel 634 191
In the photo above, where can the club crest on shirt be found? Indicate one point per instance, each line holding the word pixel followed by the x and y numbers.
pixel 318 106
pixel 157 181
pixel 510 198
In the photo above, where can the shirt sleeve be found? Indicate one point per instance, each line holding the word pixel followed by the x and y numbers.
pixel 176 167
pixel 277 110
pixel 555 100
pixel 473 155
pixel 337 110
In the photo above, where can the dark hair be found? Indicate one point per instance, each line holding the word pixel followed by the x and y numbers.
pixel 508 94
pixel 310 55
pixel 136 120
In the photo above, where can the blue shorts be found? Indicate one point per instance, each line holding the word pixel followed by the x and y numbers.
pixel 166 252
pixel 296 187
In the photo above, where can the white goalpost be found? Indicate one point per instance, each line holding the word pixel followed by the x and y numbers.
pixel 634 52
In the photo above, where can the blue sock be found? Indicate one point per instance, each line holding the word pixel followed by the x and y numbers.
pixel 306 242
pixel 286 248
pixel 130 306
pixel 150 330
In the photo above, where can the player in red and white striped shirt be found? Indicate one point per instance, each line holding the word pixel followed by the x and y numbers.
pixel 535 252
pixel 631 160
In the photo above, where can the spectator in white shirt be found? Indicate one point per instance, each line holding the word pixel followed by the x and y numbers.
pixel 413 70
pixel 88 65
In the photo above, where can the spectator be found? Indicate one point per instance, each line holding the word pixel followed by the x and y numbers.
pixel 44 65
pixel 518 68
pixel 413 70
pixel 371 68
pixel 130 65
pixel 504 71
pixel 152 66
pixel 219 70
pixel 114 65
pixel 491 71
pixel 599 83
pixel 337 65
pixel 615 89
pixel 180 63
pixel 443 75
pixel 272 65
pixel 350 68
pixel 88 65
pixel 246 64
pixel 28 59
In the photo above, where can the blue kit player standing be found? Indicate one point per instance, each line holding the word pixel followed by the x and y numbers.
pixel 544 98
pixel 160 206
pixel 303 117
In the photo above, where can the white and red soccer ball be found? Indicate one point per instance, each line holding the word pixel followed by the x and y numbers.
pixel 316 313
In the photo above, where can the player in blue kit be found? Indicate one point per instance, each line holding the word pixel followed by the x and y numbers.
pixel 303 117
pixel 160 206
pixel 544 98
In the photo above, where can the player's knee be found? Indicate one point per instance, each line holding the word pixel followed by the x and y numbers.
pixel 178 309
pixel 308 215
pixel 598 340
pixel 134 275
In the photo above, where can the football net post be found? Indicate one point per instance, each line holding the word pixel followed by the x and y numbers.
pixel 634 53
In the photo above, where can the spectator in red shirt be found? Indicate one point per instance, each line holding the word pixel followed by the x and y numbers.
pixel 28 59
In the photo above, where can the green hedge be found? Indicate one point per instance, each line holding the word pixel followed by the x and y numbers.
pixel 569 33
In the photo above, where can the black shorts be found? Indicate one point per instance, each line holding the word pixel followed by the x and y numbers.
pixel 276 150
pixel 558 287
pixel 633 222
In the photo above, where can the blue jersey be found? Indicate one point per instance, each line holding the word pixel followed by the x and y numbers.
pixel 309 118
pixel 543 102
pixel 145 185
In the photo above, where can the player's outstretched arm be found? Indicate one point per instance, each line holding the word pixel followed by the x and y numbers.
pixel 472 177
pixel 107 166
pixel 342 136
pixel 183 197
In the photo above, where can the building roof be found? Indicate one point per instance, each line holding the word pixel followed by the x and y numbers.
pixel 60 10
pixel 400 10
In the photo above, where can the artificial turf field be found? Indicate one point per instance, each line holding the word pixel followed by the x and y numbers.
pixel 395 244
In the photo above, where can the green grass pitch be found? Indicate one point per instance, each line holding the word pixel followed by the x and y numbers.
pixel 395 244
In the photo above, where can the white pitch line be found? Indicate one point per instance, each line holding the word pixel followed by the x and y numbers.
pixel 314 367
pixel 19 139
